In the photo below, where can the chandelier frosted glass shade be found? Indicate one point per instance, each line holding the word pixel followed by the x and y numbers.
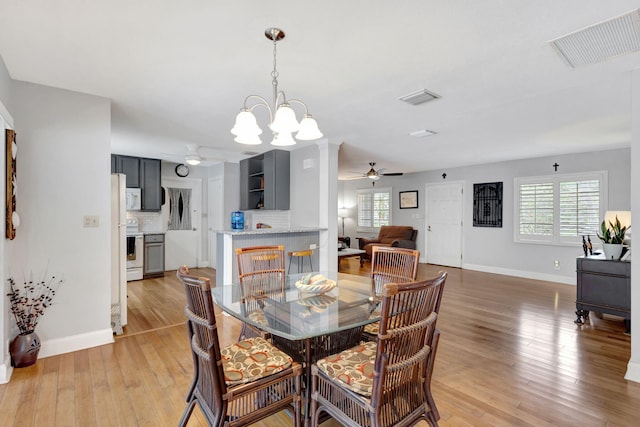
pixel 249 139
pixel 246 124
pixel 308 129
pixel 285 120
pixel 283 139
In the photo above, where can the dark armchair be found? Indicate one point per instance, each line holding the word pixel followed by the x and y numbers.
pixel 400 236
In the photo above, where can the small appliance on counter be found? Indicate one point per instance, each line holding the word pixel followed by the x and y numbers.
pixel 237 220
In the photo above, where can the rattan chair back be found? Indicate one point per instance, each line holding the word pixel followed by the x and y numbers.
pixel 404 355
pixel 392 265
pixel 240 404
pixel 261 274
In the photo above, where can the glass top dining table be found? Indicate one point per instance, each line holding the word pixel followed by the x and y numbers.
pixel 296 315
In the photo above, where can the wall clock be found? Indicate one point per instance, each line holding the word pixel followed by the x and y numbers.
pixel 182 170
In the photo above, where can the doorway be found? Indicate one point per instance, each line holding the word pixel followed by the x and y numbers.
pixel 444 213
pixel 183 216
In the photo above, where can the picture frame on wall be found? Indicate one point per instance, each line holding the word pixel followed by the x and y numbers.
pixel 409 199
pixel 487 204
pixel 11 149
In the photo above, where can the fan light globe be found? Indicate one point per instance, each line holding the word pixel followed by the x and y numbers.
pixel 308 129
pixel 192 159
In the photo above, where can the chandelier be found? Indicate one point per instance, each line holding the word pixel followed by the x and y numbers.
pixel 282 119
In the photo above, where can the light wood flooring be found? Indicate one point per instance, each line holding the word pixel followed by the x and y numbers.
pixel 509 355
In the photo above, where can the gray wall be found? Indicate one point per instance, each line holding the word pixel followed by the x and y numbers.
pixel 305 187
pixel 5 86
pixel 493 249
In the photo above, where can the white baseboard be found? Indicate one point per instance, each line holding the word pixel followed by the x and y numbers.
pixel 76 342
pixel 633 372
pixel 568 280
pixel 5 370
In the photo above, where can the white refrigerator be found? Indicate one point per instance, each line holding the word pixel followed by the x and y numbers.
pixel 118 252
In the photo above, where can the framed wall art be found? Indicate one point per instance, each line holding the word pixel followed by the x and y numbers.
pixel 487 204
pixel 12 219
pixel 409 199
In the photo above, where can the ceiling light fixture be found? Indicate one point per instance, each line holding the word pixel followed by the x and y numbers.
pixel 282 118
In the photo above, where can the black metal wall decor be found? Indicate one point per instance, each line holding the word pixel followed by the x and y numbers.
pixel 487 204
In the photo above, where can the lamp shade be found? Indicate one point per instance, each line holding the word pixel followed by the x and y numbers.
pixel 623 216
pixel 246 124
pixel 343 213
pixel 283 139
pixel 285 120
pixel 308 129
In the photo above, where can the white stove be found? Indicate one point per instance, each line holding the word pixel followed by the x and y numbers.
pixel 135 250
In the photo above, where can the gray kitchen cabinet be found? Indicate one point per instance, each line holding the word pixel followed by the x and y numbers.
pixel 150 173
pixel 153 255
pixel 603 286
pixel 265 181
pixel 130 166
pixel 141 173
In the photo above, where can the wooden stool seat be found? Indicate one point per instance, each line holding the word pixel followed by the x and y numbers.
pixel 300 254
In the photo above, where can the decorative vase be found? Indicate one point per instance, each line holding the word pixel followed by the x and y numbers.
pixel 24 350
pixel 612 250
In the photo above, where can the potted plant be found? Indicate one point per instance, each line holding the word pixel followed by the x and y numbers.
pixel 28 302
pixel 612 237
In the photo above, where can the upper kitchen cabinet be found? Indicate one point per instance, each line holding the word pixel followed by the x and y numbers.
pixel 264 181
pixel 130 166
pixel 150 173
pixel 144 174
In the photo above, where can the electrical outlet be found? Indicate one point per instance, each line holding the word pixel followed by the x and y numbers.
pixel 556 264
pixel 91 221
pixel 313 246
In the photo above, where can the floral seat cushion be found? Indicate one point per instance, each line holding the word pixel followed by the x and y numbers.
pixel 352 367
pixel 251 359
pixel 372 328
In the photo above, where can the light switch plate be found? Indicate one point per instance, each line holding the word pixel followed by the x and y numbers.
pixel 91 221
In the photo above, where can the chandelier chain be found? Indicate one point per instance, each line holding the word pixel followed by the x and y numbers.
pixel 274 73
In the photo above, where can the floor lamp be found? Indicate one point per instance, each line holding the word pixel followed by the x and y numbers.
pixel 342 214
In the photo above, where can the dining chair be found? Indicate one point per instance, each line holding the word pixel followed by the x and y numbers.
pixel 239 384
pixel 388 381
pixel 261 275
pixel 389 265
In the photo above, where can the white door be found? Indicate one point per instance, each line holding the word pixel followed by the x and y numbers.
pixel 443 241
pixel 182 246
pixel 215 215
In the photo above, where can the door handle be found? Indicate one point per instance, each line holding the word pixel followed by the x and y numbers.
pixel 428 228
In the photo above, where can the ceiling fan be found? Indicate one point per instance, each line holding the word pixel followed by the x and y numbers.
pixel 374 174
pixel 193 157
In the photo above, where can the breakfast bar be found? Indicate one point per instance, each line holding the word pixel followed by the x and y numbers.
pixel 293 239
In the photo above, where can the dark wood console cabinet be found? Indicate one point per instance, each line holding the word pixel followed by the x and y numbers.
pixel 604 286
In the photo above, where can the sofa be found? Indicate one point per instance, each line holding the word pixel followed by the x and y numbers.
pixel 400 236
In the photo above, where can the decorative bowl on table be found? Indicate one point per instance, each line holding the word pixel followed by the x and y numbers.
pixel 317 284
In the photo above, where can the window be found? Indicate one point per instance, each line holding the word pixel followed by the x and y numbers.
pixel 559 209
pixel 374 208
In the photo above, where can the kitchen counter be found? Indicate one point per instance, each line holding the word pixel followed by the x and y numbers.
pixel 270 230
pixel 293 239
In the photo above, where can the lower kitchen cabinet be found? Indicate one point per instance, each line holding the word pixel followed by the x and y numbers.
pixel 153 255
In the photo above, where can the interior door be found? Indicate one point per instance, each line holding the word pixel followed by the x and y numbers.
pixel 443 241
pixel 182 245
pixel 215 215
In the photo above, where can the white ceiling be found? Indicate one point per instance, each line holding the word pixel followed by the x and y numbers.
pixel 178 72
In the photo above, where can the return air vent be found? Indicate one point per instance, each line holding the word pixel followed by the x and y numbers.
pixel 419 97
pixel 422 133
pixel 597 43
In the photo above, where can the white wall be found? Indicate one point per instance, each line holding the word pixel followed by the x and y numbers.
pixel 493 249
pixel 304 202
pixel 63 169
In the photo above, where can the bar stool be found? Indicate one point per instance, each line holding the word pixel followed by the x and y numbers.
pixel 299 255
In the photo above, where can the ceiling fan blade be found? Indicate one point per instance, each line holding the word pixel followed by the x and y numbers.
pixel 392 174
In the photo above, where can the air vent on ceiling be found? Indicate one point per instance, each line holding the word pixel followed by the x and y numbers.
pixel 597 43
pixel 422 133
pixel 419 97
